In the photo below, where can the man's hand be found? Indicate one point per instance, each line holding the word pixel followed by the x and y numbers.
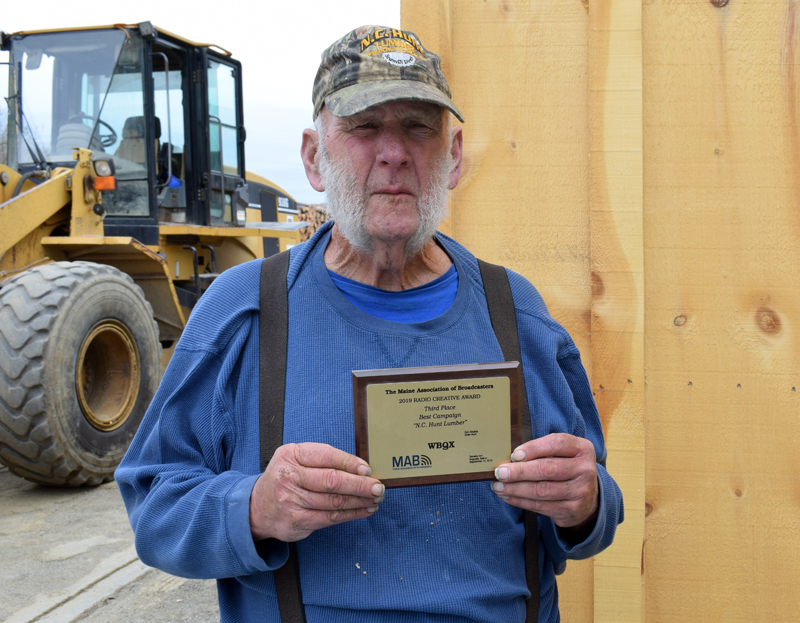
pixel 308 486
pixel 555 476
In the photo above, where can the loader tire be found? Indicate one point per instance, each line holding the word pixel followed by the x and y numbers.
pixel 79 364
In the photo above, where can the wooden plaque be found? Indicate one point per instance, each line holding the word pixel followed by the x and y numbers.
pixel 436 424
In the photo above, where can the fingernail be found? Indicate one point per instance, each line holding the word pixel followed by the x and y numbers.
pixel 518 455
pixel 377 490
pixel 501 473
pixel 504 497
pixel 372 509
pixel 364 470
pixel 498 487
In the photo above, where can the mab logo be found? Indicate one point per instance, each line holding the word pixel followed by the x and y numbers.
pixel 441 445
pixel 410 460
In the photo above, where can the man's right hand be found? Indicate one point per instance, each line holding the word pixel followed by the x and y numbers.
pixel 308 486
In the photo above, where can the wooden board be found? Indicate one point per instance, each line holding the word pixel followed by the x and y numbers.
pixel 722 347
pixel 615 195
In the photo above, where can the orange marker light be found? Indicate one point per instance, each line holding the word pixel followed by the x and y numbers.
pixel 105 183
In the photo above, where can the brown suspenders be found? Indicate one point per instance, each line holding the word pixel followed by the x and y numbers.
pixel 504 323
pixel 273 335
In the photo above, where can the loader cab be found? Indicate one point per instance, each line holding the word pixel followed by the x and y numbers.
pixel 168 111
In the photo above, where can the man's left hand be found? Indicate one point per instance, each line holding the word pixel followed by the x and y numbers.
pixel 555 476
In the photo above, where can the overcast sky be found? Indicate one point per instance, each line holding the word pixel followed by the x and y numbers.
pixel 278 43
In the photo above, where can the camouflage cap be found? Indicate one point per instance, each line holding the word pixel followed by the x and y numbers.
pixel 373 65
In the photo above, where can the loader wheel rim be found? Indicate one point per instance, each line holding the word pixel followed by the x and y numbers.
pixel 107 376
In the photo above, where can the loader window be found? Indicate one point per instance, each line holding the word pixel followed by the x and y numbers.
pixel 175 108
pixel 4 117
pixel 83 89
pixel 62 83
pixel 169 82
pixel 222 110
pixel 122 111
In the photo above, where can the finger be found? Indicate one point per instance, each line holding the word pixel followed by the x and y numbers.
pixel 542 490
pixel 549 469
pixel 311 454
pixel 323 519
pixel 333 502
pixel 555 510
pixel 327 480
pixel 316 520
pixel 555 444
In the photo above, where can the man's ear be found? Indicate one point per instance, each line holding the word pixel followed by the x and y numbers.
pixel 456 152
pixel 309 153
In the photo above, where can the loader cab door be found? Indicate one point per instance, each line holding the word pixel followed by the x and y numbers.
pixel 203 100
pixel 155 172
pixel 219 93
pixel 171 139
pixel 124 104
pixel 175 171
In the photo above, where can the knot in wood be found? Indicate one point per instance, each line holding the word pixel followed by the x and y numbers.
pixel 680 321
pixel 598 287
pixel 767 320
pixel 719 3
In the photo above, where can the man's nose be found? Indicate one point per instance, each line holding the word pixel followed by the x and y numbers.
pixel 393 150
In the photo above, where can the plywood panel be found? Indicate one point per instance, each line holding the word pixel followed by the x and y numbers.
pixel 618 290
pixel 519 73
pixel 722 347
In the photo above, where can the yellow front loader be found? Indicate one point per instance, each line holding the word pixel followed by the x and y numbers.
pixel 122 196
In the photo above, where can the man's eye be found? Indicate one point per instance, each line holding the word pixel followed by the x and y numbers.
pixel 420 127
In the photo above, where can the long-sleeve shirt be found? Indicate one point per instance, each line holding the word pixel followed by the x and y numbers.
pixel 445 553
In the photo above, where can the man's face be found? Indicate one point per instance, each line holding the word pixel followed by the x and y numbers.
pixel 386 173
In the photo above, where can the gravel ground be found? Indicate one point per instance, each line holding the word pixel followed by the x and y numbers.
pixel 52 538
pixel 159 597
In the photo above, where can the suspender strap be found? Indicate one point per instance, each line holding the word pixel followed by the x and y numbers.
pixel 273 336
pixel 504 323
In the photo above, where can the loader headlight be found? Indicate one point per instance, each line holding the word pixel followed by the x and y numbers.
pixel 104 168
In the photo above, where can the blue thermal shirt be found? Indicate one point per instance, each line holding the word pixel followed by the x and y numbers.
pixel 447 553
pixel 413 305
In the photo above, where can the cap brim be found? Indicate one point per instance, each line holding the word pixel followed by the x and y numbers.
pixel 357 98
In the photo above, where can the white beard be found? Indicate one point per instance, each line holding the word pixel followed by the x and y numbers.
pixel 347 204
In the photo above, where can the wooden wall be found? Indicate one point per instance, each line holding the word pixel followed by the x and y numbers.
pixel 640 164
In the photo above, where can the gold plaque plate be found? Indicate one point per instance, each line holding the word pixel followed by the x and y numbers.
pixel 436 424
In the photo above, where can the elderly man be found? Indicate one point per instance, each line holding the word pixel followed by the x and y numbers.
pixel 376 288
